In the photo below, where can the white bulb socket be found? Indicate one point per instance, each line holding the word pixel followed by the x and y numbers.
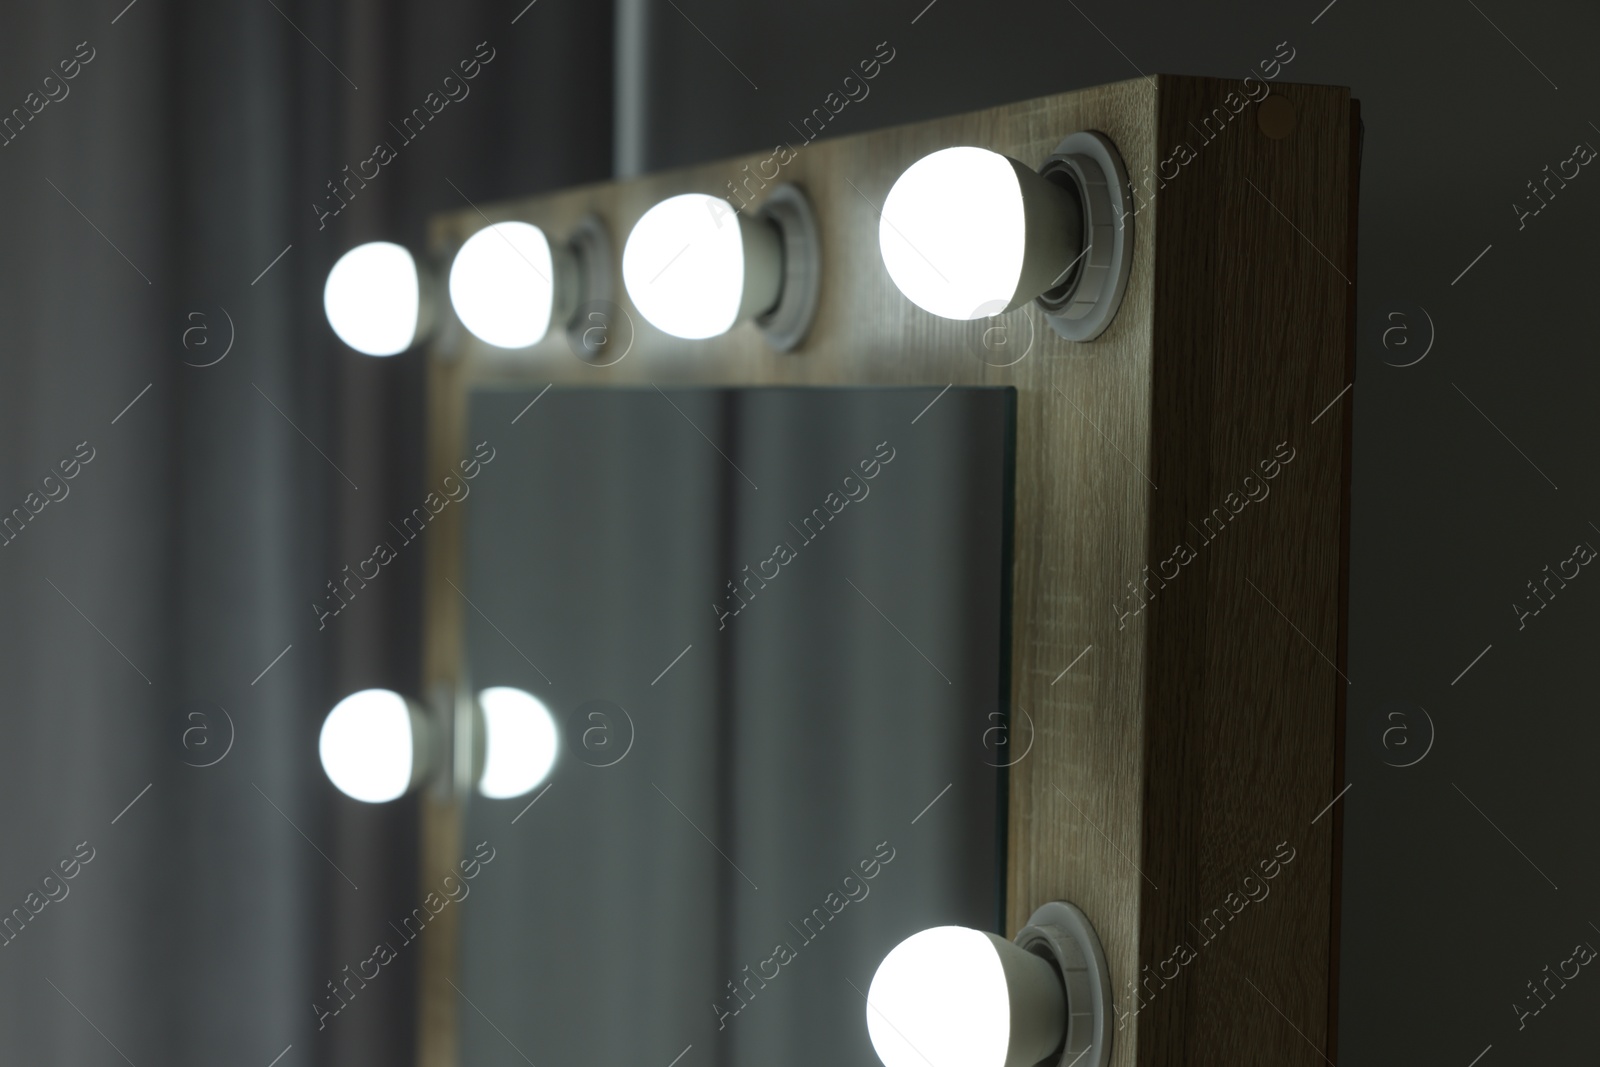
pixel 379 300
pixel 951 995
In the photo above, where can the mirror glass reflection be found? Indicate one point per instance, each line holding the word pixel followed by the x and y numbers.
pixel 770 627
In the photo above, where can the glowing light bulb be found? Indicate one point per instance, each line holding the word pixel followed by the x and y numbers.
pixel 693 267
pixel 967 233
pixel 519 742
pixel 502 284
pixel 952 233
pixel 963 998
pixel 373 299
pixel 369 745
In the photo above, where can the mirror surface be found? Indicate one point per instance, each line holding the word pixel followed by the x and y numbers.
pixel 770 626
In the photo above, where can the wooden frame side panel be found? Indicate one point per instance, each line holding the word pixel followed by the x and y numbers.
pixel 1244 591
pixel 443 672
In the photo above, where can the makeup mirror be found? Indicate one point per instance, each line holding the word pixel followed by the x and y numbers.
pixel 770 625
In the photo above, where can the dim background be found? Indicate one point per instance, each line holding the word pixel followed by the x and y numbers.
pixel 189 154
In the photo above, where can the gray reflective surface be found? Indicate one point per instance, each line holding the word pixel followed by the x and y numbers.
pixel 769 624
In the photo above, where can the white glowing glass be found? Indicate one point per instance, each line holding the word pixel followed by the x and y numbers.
pixel 501 284
pixel 684 265
pixel 519 742
pixel 942 994
pixel 366 745
pixel 952 234
pixel 372 298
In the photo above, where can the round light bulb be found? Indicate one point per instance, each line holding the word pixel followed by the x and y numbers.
pixel 373 298
pixel 953 233
pixel 519 742
pixel 368 745
pixel 963 998
pixel 967 233
pixel 694 267
pixel 502 284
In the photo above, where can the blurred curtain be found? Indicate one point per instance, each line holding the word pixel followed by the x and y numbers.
pixel 187 458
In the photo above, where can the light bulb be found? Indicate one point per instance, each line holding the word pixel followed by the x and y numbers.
pixel 373 299
pixel 967 233
pixel 372 745
pixel 964 998
pixel 519 742
pixel 694 267
pixel 502 284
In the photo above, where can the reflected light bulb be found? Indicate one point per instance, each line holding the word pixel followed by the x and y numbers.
pixel 693 267
pixel 373 298
pixel 367 745
pixel 963 998
pixel 519 742
pixel 502 284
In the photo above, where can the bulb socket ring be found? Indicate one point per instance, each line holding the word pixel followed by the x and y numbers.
pixel 1061 933
pixel 593 267
pixel 785 324
pixel 1081 307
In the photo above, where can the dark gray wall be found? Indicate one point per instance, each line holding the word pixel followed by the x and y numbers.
pixel 1452 865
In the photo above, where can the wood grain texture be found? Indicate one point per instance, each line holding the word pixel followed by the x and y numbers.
pixel 1193 735
pixel 443 658
pixel 1253 282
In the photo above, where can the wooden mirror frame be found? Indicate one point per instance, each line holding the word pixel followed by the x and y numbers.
pixel 1186 708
